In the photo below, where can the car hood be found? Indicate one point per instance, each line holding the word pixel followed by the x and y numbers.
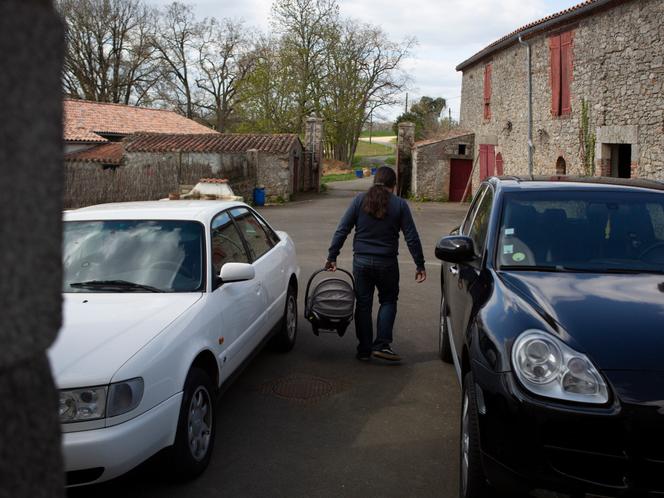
pixel 101 331
pixel 617 320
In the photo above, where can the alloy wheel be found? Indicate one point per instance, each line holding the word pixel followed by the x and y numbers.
pixel 291 318
pixel 465 444
pixel 199 423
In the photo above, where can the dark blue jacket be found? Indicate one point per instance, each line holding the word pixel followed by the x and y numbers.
pixel 376 237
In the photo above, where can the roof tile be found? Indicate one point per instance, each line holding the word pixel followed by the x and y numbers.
pixel 218 142
pixel 86 121
pixel 108 153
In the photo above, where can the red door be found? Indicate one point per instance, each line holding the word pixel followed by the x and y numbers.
pixel 460 170
pixel 487 161
pixel 499 164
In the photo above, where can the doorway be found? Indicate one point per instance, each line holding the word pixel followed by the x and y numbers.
pixel 621 160
pixel 460 170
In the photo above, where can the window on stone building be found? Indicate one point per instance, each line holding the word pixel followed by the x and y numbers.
pixel 462 149
pixel 561 166
pixel 560 49
pixel 487 91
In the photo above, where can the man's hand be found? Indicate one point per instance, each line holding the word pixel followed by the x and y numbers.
pixel 420 276
pixel 331 265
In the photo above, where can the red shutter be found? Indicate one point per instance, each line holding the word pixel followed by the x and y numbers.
pixel 565 72
pixel 487 91
pixel 554 50
pixel 491 156
pixel 484 161
pixel 499 164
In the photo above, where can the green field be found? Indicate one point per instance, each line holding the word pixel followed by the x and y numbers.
pixel 338 177
pixel 377 133
pixel 365 149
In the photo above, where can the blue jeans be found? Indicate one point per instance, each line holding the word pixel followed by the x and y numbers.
pixel 371 272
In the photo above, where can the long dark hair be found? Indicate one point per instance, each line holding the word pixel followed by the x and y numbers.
pixel 378 197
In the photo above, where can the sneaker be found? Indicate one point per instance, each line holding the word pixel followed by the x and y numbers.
pixel 386 353
pixel 363 356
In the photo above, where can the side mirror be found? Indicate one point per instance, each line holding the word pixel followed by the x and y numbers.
pixel 455 249
pixel 236 272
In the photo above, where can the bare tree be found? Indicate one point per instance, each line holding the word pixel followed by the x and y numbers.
pixel 363 73
pixel 175 43
pixel 225 58
pixel 303 26
pixel 109 56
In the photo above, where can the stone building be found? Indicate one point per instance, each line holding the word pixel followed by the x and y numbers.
pixel 441 166
pixel 597 79
pixel 115 152
pixel 150 166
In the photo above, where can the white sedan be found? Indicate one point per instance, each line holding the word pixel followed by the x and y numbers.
pixel 163 301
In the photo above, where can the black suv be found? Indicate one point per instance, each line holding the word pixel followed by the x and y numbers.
pixel 552 312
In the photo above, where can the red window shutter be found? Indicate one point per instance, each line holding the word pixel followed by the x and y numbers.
pixel 499 164
pixel 491 157
pixel 484 161
pixel 565 72
pixel 554 50
pixel 487 91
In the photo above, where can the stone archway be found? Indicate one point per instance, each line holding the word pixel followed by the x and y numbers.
pixel 561 166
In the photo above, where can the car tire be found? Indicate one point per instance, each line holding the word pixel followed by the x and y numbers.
pixel 284 340
pixel 444 347
pixel 194 440
pixel 472 480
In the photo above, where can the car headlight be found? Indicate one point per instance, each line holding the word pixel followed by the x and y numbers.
pixel 92 403
pixel 548 367
pixel 80 405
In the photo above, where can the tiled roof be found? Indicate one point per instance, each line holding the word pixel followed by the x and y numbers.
pixel 585 7
pixel 456 133
pixel 109 153
pixel 218 142
pixel 84 121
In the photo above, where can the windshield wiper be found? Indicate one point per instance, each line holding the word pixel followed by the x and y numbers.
pixel 113 284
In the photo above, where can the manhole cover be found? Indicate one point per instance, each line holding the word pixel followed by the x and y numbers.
pixel 301 388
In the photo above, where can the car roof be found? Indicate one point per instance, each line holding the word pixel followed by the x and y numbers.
pixel 195 210
pixel 524 183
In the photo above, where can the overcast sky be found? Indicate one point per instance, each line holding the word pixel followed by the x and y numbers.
pixel 447 31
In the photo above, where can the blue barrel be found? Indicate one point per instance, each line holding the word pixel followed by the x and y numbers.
pixel 259 196
pixel 373 171
pixel 359 173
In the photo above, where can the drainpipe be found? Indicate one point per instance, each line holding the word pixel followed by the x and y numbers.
pixel 530 106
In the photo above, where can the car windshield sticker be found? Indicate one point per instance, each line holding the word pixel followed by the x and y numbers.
pixel 518 257
pixel 508 249
pixel 509 231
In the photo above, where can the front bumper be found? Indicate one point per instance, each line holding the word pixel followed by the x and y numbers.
pixel 102 454
pixel 527 442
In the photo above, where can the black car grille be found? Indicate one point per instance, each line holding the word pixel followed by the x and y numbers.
pixel 75 477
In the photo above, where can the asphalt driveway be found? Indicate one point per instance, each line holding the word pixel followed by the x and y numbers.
pixel 316 422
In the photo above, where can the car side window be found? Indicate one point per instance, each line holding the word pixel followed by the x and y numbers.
pixel 227 245
pixel 471 212
pixel 252 231
pixel 480 223
pixel 274 238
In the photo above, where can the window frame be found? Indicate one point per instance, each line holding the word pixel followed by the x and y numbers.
pixel 252 256
pixel 247 250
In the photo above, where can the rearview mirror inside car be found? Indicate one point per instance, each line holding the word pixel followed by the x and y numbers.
pixel 455 249
pixel 236 272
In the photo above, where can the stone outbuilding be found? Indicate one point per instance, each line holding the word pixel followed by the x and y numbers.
pixel 597 81
pixel 441 166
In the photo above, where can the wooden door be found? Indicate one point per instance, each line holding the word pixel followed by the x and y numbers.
pixel 460 170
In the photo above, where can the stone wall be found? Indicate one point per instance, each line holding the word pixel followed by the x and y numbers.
pixel 431 166
pixel 618 69
pixel 275 173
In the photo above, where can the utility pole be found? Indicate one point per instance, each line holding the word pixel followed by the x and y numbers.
pixel 406 101
pixel 530 105
pixel 370 125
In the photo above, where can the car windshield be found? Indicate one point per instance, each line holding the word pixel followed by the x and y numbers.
pixel 133 256
pixel 603 231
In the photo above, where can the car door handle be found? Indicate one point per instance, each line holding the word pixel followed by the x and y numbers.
pixel 454 270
